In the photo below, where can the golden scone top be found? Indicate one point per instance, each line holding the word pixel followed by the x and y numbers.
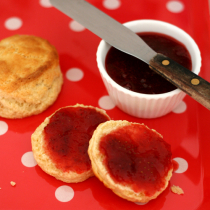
pixel 24 58
pixel 31 78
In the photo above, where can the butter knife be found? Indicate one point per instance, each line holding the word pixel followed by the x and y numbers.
pixel 127 41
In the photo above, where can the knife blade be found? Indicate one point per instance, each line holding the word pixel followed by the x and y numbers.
pixel 129 42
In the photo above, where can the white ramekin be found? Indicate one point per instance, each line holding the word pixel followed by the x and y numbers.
pixel 148 105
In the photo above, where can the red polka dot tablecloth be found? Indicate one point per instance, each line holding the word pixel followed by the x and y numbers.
pixel 23 185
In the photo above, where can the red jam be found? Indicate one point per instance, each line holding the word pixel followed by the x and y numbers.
pixel 138 157
pixel 67 137
pixel 134 74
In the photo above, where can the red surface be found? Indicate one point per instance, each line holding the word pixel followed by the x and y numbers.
pixel 187 132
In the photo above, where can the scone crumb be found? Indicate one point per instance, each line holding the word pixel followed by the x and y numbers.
pixel 12 183
pixel 177 190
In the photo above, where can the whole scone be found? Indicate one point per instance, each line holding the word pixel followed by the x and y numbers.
pixel 61 142
pixel 31 78
pixel 131 159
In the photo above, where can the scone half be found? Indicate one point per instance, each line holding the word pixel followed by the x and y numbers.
pixel 61 142
pixel 131 159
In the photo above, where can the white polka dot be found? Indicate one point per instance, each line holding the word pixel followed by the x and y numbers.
pixel 28 159
pixel 13 23
pixel 74 74
pixel 45 3
pixel 111 4
pixel 140 204
pixel 75 26
pixel 181 108
pixel 183 165
pixel 3 127
pixel 175 6
pixel 64 193
pixel 105 102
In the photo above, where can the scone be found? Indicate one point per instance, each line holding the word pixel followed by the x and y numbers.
pixel 61 142
pixel 131 159
pixel 31 78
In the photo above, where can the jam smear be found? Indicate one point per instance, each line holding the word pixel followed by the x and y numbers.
pixel 135 75
pixel 67 137
pixel 135 156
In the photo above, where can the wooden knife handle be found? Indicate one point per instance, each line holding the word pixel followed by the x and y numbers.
pixel 186 80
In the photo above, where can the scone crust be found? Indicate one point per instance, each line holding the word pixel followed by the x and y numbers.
pixel 100 170
pixel 31 78
pixel 44 161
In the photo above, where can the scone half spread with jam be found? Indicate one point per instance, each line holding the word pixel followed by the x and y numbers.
pixel 131 159
pixel 31 78
pixel 61 142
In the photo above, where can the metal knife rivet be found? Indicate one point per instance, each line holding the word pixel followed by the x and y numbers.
pixel 195 81
pixel 165 62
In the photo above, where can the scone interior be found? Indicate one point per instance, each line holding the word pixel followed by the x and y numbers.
pixel 61 142
pixel 131 159
pixel 31 78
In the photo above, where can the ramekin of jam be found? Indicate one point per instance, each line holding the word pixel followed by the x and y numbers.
pixel 133 86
